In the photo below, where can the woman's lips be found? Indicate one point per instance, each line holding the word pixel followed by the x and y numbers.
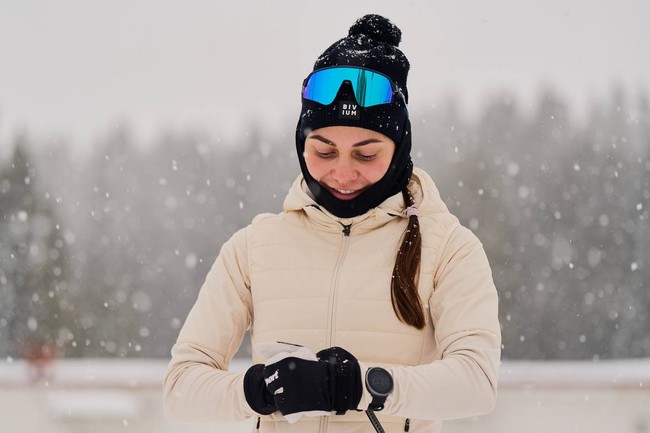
pixel 344 194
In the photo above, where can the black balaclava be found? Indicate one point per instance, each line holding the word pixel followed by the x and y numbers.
pixel 372 44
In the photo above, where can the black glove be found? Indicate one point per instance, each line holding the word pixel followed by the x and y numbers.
pixel 349 386
pixel 257 396
pixel 330 384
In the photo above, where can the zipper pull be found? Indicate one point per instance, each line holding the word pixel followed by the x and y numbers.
pixel 346 229
pixel 407 424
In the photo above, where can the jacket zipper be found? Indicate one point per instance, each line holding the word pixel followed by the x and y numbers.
pixel 335 281
pixel 332 301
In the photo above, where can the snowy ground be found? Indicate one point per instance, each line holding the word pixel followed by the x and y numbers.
pixel 112 395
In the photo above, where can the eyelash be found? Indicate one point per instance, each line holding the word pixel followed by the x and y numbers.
pixel 326 155
pixel 329 155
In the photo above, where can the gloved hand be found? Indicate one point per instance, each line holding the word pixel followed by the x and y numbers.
pixel 331 383
pixel 349 384
pixel 277 351
pixel 258 397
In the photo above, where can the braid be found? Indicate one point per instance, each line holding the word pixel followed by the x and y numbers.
pixel 404 290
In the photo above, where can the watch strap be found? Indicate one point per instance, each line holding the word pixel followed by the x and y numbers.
pixel 374 421
pixel 377 403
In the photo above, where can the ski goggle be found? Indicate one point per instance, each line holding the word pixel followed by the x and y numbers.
pixel 370 87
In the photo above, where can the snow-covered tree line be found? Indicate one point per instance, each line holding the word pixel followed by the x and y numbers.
pixel 103 255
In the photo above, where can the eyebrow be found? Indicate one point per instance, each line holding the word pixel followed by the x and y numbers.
pixel 331 143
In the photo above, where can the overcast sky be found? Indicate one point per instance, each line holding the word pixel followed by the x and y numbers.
pixel 77 68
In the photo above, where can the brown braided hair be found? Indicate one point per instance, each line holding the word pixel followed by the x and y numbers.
pixel 404 289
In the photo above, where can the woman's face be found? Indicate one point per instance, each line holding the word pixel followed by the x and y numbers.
pixel 346 160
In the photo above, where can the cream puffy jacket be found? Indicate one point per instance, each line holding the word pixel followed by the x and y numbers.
pixel 299 277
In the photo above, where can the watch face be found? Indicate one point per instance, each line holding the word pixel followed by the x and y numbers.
pixel 380 381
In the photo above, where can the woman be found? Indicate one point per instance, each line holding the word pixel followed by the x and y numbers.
pixel 386 300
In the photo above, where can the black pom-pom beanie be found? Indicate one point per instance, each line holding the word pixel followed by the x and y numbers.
pixel 372 44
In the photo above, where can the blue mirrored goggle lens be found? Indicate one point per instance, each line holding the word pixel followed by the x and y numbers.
pixel 370 88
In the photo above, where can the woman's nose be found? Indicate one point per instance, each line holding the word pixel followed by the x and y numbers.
pixel 344 173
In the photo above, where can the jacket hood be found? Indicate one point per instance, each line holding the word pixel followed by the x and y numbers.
pixel 425 194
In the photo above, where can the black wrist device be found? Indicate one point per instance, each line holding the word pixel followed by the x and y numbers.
pixel 379 383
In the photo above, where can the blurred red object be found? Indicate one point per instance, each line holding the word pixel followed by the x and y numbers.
pixel 40 358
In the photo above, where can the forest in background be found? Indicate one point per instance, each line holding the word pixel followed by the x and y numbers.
pixel 103 255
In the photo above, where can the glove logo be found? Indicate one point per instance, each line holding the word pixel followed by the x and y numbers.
pixel 272 377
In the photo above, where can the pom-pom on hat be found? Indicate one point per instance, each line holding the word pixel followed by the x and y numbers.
pixel 372 44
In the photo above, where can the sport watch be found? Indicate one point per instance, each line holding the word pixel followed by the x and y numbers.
pixel 379 383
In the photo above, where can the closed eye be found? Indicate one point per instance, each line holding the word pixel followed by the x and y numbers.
pixel 325 155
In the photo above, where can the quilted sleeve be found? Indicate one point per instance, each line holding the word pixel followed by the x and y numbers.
pixel 197 385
